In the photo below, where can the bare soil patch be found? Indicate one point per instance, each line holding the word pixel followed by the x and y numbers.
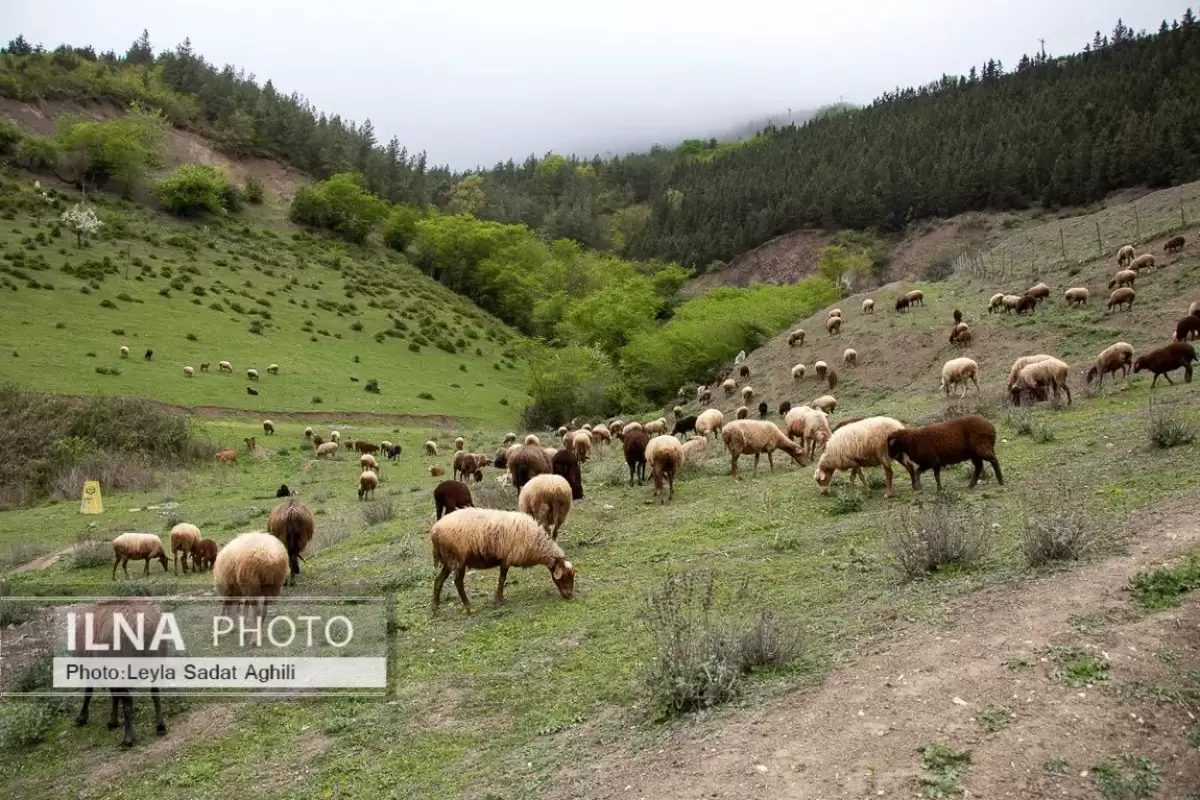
pixel 783 260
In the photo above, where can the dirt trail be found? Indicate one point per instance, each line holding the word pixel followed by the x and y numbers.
pixel 858 734
pixel 40 563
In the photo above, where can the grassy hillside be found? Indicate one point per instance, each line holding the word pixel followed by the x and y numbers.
pixel 250 290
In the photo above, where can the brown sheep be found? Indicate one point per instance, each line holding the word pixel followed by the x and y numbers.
pixel 205 554
pixel 252 566
pixel 436 472
pixel 1144 261
pixel 184 538
pixel 1026 305
pixel 957 316
pixel 1174 245
pixel 970 438
pixel 526 462
pixel 753 437
pixel 1112 359
pixel 466 464
pixel 205 365
pixel 744 371
pixel 831 376
pixel 566 464
pixel 138 547
pixel 367 482
pixel 1178 355
pixel 292 523
pixel 450 496
pixel 1125 277
pixel 1039 291
pixel 366 447
pixel 635 455
pixel 251 443
pixel 902 303
pixel 227 456
pixel 1187 328
pixel 1121 297
pixel 916 297
pixel 795 337
pixel 834 326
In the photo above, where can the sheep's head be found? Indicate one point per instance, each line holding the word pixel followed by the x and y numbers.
pixel 162 559
pixel 1093 373
pixel 564 577
pixel 898 442
pixel 795 451
pixel 823 477
pixel 1138 365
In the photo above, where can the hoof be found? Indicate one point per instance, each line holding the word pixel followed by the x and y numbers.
pixel 161 730
pixel 112 726
pixel 127 743
pixel 80 721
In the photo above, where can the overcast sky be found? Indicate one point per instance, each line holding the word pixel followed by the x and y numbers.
pixel 477 81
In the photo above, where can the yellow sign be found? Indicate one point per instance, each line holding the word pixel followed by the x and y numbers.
pixel 91 503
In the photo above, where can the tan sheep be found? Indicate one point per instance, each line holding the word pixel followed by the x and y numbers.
pixel 796 337
pixel 224 366
pixel 327 450
pixel 1117 357
pixel 916 297
pixel 755 437
pixel 1076 296
pixel 820 368
pixel 188 372
pixel 1039 291
pixel 582 445
pixel 367 461
pixel 664 455
pixel 1023 362
pixel 530 439
pixel 1010 302
pixel 252 374
pixel 1144 261
pixel 825 402
pixel 1036 378
pixel 547 498
pixel 601 433
pixel 833 312
pixel 292 523
pixel 630 427
pixel 124 351
pixel 1121 297
pixel 1125 277
pixel 810 426
pixel 568 440
pixel 1125 255
pixel 798 372
pixel 996 303
pixel 868 306
pixel 855 446
pixel 431 448
pixel 139 547
pixel 710 421
pixel 833 326
pixel 850 357
pixel 656 427
pixel 747 394
pixel 959 371
pixel 482 538
pixel 252 566
pixel 961 335
pixel 184 538
pixel 308 433
pixel 367 482
pixel 273 369
pixel 729 385
pixel 741 412
pixel 527 462
pixel 335 437
pixel 695 449
pixel 459 444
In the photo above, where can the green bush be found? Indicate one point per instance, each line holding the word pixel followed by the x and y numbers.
pixel 37 153
pixel 401 227
pixel 253 190
pixel 194 189
pixel 340 205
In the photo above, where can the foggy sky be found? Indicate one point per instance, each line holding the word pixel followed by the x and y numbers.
pixel 476 82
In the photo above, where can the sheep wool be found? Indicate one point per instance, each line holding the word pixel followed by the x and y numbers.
pixel 826 403
pixel 810 426
pixel 526 463
pixel 709 421
pixel 741 412
pixel 532 439
pixel 184 538
pixel 138 547
pixel 459 444
pixel 729 385
pixel 959 371
pixel 547 498
pixel 292 523
pixel 582 445
pixel 850 357
pixel 327 450
pixel 868 306
pixel 188 372
pixel 1114 358
pixel 431 448
pixel 253 565
pixel 695 448
pixel 1076 296
pixel 367 482
pixel 857 445
pixel 755 437
pixel 798 372
pixel 664 454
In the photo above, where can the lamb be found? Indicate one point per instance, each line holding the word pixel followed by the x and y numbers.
pixel 796 337
pixel 527 462
pixel 747 394
pixel 744 372
pixel 826 403
pixel 694 449
pixel 273 369
pixel 820 368
pixel 547 498
pixel 959 371
pixel 635 455
pixel 763 409
pixel 268 427
pixel 1121 297
pixel 335 437
pixel 139 547
pixel 810 426
pixel 184 538
pixel 205 365
pixel 1039 291
pixel 1125 255
pixel 1111 359
pixel 252 566
pixel 728 385
pixel 565 464
pixel 459 444
pixel 1038 377
pixel 283 491
pixel 327 450
pixel 367 482
pixel 685 426
pixel 479 538
pixel 656 428
pixel 292 524
pixel 902 303
pixel 1187 328
pixel 1125 277
pixel 205 554
pixel 833 312
pixel 1010 302
pixel 1076 296
pixel 665 456
pixel 798 372
pixel 996 303
pixel 227 456
pixel 431 448
pixel 1023 362
pixel 857 445
pixel 850 357
pixel 868 306
pixel 916 297
pixel 367 461
pixel 961 335
pixel 252 374
pixel 224 366
pixel 831 377
pixel 252 391
pixel 741 412
pixel 308 433
pixel 108 638
pixel 753 437
pixel 530 439
pixel 833 326
pixel 710 421
pixel 124 351
pixel 1174 244
pixel 1167 359
pixel 449 496
pixel 1144 261
pixel 970 438
pixel 436 472
pixel 510 438
pixel 188 372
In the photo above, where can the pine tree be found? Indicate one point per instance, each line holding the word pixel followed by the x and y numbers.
pixel 18 46
pixel 140 52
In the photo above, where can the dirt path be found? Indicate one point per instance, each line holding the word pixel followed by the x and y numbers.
pixel 41 562
pixel 858 734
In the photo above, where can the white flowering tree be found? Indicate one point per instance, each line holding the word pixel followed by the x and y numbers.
pixel 83 221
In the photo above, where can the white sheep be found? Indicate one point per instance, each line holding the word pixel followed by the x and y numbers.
pixel 868 306
pixel 139 547
pixel 273 369
pixel 327 450
pixel 367 461
pixel 459 444
pixel 547 498
pixel 850 357
pixel 695 449
pixel 860 444
pixel 959 371
pixel 268 427
pixel 1076 296
pixel 431 448
pixel 184 538
pixel 798 372
pixel 741 356
pixel 124 351
pixel 810 426
pixel 826 403
pixel 308 433
pixel 224 366
pixel 252 374
pixel 710 421
pixel 335 437
pixel 755 437
pixel 1038 377
pixel 367 481
pixel 655 427
pixel 796 337
pixel 252 566
pixel 747 394
pixel 582 445
pixel 188 372
pixel 820 368
pixel 1125 255
pixel 664 456
pixel 1111 359
pixel 729 385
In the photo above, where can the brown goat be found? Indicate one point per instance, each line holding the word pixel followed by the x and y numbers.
pixel 1178 355
pixel 970 438
pixel 1187 328
pixel 292 523
pixel 635 455
pixel 450 496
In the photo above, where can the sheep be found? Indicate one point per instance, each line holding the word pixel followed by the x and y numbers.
pixel 227 456
pixel 820 368
pixel 251 443
pixel 367 461
pixel 902 303
pixel 810 426
pixel 459 444
pixel 204 365
pixel 710 421
pixel 969 438
pixel 335 437
pixel 685 426
pixel 834 326
pixel 744 371
pixel 547 498
pixel 1039 291
pixel 308 433
pixel 149 355
pixel 108 637
pixel 833 312
pixel 741 412
pixel 1194 309
pixel 251 391
pixel 868 306
pixel 510 438
pixel 785 407
pixel 139 547
pixel 367 482
pixel 1076 296
pixel 431 448
pixel 393 452
pixel 252 566
pixel 796 337
pixel 188 372
pixel 1010 302
pixel 635 455
pixel 1167 359
pixel 826 403
pixel 957 316
pixel 562 431
pixel 705 397
pixel 1111 359
pixel 1187 328
pixel 482 538
pixel 204 554
pixel 798 372
pixel 224 366
pixel 729 385
pixel 996 303
pixel 184 538
pixel 753 437
pixel 847 421
pixel 327 450
pixel 700 390
pixel 747 394
pixel 860 444
pixel 531 439
pixel 1037 378
pixel 1026 305
pixel 1144 261
pixel 961 335
pixel 527 462
pixel 292 523
pixel 763 409
pixel 124 351
pixel 632 427
pixel 1125 277
pixel 1121 297
pixel 664 454
pixel 565 464
pixel 252 374
pixel 739 358
pixel 656 427
pixel 1023 362
pixel 273 369
pixel 959 371
pixel 449 496
pixel 436 472
pixel 916 297
pixel 1174 244
pixel 601 433
pixel 1125 255
pixel 850 357
pixel 363 446
pixel 677 412
pixel 268 427
pixel 831 377
pixel 283 491
pixel 694 449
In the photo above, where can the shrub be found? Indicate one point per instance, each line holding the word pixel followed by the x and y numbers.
pixel 937 534
pixel 193 189
pixel 1126 777
pixel 37 153
pixel 89 552
pixel 371 386
pixel 107 371
pixel 1058 530
pixel 1168 429
pixel 377 512
pixel 253 190
pixel 1166 587
pixel 340 205
pixel 847 501
pixel 26 723
pixel 401 227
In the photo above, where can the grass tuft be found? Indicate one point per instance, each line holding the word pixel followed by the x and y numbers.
pixel 1167 429
pixel 1165 588
pixel 1126 777
pixel 935 535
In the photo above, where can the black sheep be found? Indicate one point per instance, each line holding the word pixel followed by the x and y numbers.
pixel 785 407
pixel 763 409
pixel 902 303
pixel 393 452
pixel 635 455
pixel 566 464
pixel 283 491
pixel 685 425
pixel 149 354
pixel 251 390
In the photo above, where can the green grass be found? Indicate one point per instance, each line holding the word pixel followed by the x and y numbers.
pixel 1165 588
pixel 1126 777
pixel 943 766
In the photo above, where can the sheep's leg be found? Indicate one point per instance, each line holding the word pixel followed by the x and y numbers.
pixel 976 385
pixel 112 717
pixel 733 459
pixel 937 477
pixel 996 469
pixel 438 582
pixel 1066 388
pixel 87 702
pixel 671 486
pixel 631 469
pixel 1187 373
pixel 978 463
pixel 1166 376
pixel 756 457
pixel 771 460
pixel 147 572
pixel 160 725
pixel 125 565
pixel 459 575
pixel 500 585
pixel 116 561
pixel 887 479
pixel 127 714
pixel 293 568
pixel 175 558
pixel 1154 381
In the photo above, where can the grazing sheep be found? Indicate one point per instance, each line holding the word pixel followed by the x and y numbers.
pixel 394 452
pixel 547 498
pixel 1178 355
pixel 184 538
pixel 763 409
pixel 631 427
pixel 273 369
pixel 961 335
pixel 459 444
pixel 656 427
pixel 252 566
pixel 1187 328
pixel 450 496
pixel 268 427
pixel 367 482
pixel 959 371
pixel 739 358
pixel 1038 377
pixel 601 433
pixel 227 456
pixel 308 433
pixel 188 372
pixel 205 365
pixel 860 444
pixel 251 391
pixel 916 297
pixel 996 303
pixel 124 351
pixel 1125 255
pixel 710 421
pixel 562 432
pixel 431 448
pixel 685 426
pixel 327 450
pixel 1121 297
pixel 741 412
pixel 224 366
pixel 785 407
pixel 1174 245
pixel 283 491
pixel 139 547
pixel 677 412
pixel 1125 277
pixel 798 372
pixel 481 538
pixel 868 306
pixel 825 402
pixel 1010 302
pixel 335 437
pixel 744 372
pixel 704 399
pixel 436 472
pixel 754 437
pixel 149 355
pixel 833 312
pixel 1039 291
pixel 729 385
pixel 1111 359
pixel 957 316
pixel 565 464
pixel 530 439
pixel 252 374
pixel 664 454
pixel 695 449
pixel 796 337
pixel 1026 305
pixel 747 394
pixel 205 554
pixel 1144 261
pixel 467 464
pixel 107 638
pixel 902 303
pixel 970 438
pixel 1076 296
pixel 527 462
pixel 850 357
pixel 810 426
pixel 317 440
pixel 367 461
pixel 1194 309
pixel 510 438
pixel 363 446
pixel 831 377
pixel 1023 362
pixel 292 523
pixel 635 455
pixel 700 390
pixel 251 443
pixel 820 368
pixel 833 326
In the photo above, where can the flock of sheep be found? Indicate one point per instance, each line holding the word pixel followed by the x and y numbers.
pixel 222 366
